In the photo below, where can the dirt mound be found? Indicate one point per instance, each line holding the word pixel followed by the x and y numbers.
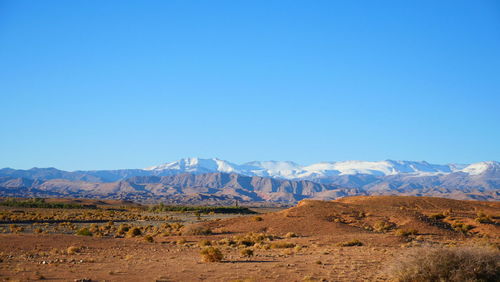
pixel 374 217
pixel 424 203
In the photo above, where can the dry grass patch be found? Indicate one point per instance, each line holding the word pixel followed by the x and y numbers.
pixel 351 243
pixel 204 243
pixel 447 264
pixel 73 250
pixel 149 239
pixel 196 230
pixel 84 232
pixel 133 232
pixel 406 232
pixel 246 252
pixel 211 254
pixel 282 245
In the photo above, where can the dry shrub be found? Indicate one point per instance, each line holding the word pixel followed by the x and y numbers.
pixel 122 229
pixel 282 245
pixel 257 218
pixel 84 232
pixel 484 218
pixel 149 238
pixel 211 254
pixel 204 243
pixel 406 232
pixel 291 235
pixel 437 216
pixel 73 250
pixel 462 227
pixel 246 252
pixel 133 232
pixel 447 264
pixel 351 243
pixel 196 230
pixel 382 226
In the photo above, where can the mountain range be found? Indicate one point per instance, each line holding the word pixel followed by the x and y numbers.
pixel 192 180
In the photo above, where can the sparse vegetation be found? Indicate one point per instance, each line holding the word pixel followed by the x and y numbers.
pixel 437 216
pixel 73 250
pixel 84 232
pixel 282 245
pixel 197 230
pixel 149 239
pixel 41 203
pixel 462 227
pixel 447 264
pixel 211 254
pixel 351 243
pixel 201 209
pixel 383 226
pixel 406 232
pixel 484 218
pixel 246 252
pixel 204 243
pixel 134 232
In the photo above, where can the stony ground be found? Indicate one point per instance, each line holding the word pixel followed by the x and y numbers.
pixel 315 234
pixel 35 257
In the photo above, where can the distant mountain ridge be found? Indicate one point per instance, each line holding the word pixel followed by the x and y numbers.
pixel 292 170
pixel 192 179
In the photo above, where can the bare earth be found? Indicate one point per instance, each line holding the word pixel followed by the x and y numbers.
pixel 316 254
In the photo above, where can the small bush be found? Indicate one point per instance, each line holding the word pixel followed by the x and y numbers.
pixel 351 243
pixel 382 226
pixel 406 232
pixel 204 243
pixel 196 230
pixel 211 254
pixel 73 250
pixel 437 216
pixel 257 218
pixel 291 235
pixel 246 252
pixel 484 218
pixel 84 232
pixel 282 245
pixel 447 264
pixel 133 232
pixel 149 238
pixel 462 227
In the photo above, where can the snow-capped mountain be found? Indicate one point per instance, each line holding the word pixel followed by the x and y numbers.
pixel 197 165
pixel 292 170
pixel 259 181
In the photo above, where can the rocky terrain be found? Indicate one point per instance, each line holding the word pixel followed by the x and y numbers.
pixel 351 239
pixel 217 181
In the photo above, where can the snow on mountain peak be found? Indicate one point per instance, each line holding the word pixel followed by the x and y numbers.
pixel 292 170
pixel 480 168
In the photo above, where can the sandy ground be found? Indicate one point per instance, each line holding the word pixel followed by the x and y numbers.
pixel 28 257
pixel 320 226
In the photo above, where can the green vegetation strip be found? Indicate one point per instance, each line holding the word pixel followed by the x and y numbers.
pixel 201 209
pixel 40 203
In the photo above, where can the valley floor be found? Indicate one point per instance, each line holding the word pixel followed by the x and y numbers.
pixel 28 257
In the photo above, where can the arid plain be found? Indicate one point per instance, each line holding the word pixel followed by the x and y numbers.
pixel 350 239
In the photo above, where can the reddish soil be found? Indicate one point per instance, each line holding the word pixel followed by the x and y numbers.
pixel 321 226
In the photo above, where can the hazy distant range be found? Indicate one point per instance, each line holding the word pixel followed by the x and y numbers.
pixel 195 180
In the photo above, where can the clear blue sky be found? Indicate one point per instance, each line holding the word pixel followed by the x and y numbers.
pixel 129 84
